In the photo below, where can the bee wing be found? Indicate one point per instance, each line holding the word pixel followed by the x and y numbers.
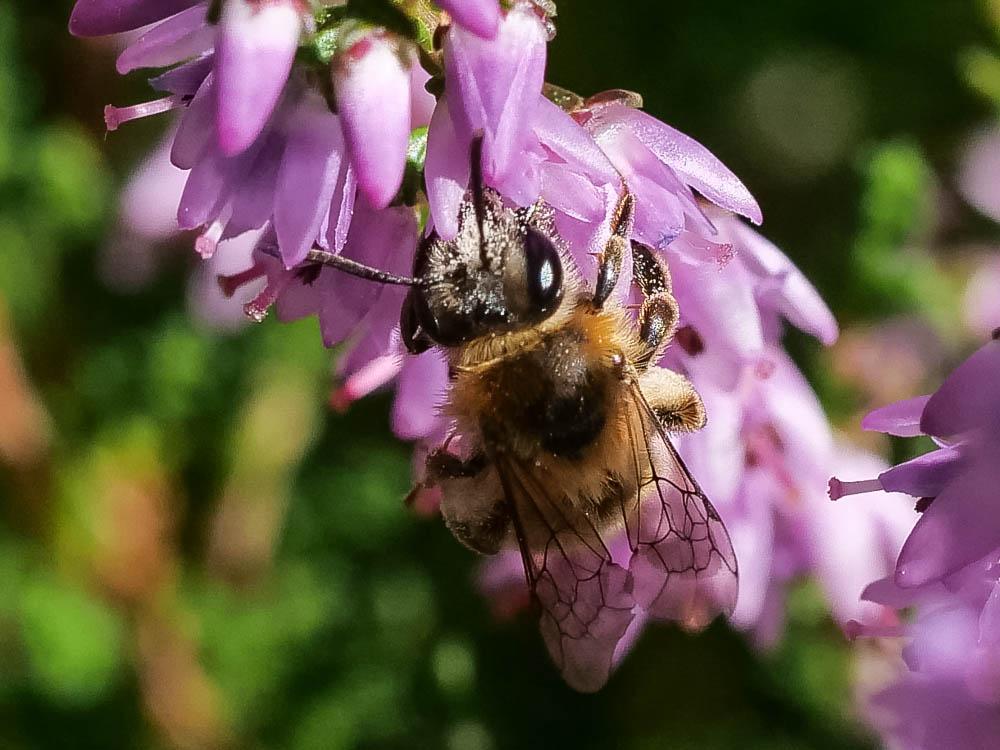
pixel 683 563
pixel 585 597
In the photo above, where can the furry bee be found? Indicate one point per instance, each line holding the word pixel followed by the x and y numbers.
pixel 560 428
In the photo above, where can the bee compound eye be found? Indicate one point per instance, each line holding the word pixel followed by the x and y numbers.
pixel 544 270
pixel 412 326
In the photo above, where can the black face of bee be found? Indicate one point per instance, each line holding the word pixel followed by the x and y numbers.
pixel 500 273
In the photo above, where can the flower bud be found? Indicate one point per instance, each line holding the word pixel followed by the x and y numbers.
pixel 254 54
pixel 372 86
pixel 494 86
pixel 481 17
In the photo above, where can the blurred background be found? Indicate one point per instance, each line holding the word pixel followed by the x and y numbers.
pixel 193 554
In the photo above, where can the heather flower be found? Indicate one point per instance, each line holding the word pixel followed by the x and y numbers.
pixel 657 162
pixel 949 567
pixel 764 457
pixel 481 17
pixel 946 692
pixel 259 139
pixel 500 105
pixel 315 132
pixel 373 96
pixel 254 51
pixel 147 226
pixel 955 484
pixel 531 147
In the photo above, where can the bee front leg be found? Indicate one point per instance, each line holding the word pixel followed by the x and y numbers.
pixel 659 314
pixel 614 251
pixel 673 399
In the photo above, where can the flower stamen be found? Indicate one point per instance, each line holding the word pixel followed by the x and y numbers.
pixel 114 116
pixel 839 488
pixel 231 282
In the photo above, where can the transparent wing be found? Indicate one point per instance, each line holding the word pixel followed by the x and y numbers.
pixel 683 564
pixel 585 598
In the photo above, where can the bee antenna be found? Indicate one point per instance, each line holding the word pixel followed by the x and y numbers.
pixel 478 194
pixel 352 267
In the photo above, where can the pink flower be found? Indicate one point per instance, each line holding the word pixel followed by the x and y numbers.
pixel 947 691
pixel 955 484
pixel 495 86
pixel 949 566
pixel 254 52
pixel 373 97
pixel 98 17
pixel 481 17
pixel 660 164
pixel 298 135
pixel 251 50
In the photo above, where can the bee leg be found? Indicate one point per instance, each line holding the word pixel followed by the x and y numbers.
pixel 485 531
pixel 443 465
pixel 472 503
pixel 614 250
pixel 673 399
pixel 659 314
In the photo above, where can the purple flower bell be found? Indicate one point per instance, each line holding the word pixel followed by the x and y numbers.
pixel 955 485
pixel 372 85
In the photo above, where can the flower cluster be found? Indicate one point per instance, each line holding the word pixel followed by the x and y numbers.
pixel 304 127
pixel 949 566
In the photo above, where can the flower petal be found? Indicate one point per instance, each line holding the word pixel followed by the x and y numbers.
pixel 446 171
pixel 422 384
pixel 253 203
pixel 378 238
pixel 751 528
pixel 203 191
pixel 183 36
pixel 901 419
pixel 494 86
pixel 659 209
pixel 373 99
pixel 959 527
pixel 571 142
pixel 254 54
pixel 695 164
pixel 782 284
pixel 194 133
pixel 422 102
pixel 926 475
pixel 719 304
pixel 342 212
pixel 186 79
pixel 100 17
pixel 969 398
pixel 481 17
pixel 310 171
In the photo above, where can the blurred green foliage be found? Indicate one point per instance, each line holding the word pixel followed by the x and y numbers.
pixel 197 554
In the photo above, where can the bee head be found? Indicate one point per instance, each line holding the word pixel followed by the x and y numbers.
pixel 470 288
pixel 501 272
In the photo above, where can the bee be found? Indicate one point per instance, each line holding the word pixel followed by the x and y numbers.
pixel 561 420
